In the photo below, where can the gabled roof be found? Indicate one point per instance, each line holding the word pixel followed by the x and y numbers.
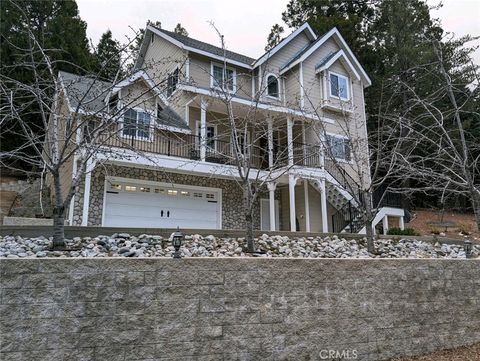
pixel 88 95
pixel 305 28
pixel 83 92
pixel 200 47
pixel 335 34
pixel 140 74
pixel 332 58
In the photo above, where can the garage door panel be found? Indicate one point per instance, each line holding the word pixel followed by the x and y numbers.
pixel 144 209
pixel 120 207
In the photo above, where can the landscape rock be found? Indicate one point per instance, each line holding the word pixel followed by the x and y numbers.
pixel 126 245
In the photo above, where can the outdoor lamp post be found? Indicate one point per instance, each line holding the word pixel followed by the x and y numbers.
pixel 177 242
pixel 467 245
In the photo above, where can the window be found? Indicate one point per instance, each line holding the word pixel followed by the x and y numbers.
pixel 113 104
pixel 272 86
pixel 130 188
pixel 136 124
pixel 172 82
pixel 339 147
pixel 209 135
pixel 339 86
pixel 219 82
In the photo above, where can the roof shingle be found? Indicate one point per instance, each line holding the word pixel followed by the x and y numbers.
pixel 200 45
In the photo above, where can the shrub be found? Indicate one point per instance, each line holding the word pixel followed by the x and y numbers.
pixel 404 232
pixel 435 230
pixel 464 229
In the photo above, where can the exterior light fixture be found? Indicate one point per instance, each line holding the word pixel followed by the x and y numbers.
pixel 176 243
pixel 467 245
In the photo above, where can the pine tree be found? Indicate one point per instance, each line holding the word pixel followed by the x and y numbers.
pixel 59 29
pixel 108 56
pixel 179 29
pixel 274 37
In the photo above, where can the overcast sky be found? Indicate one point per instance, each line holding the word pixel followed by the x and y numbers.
pixel 245 24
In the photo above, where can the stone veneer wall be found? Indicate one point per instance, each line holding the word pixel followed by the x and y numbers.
pixel 232 214
pixel 235 309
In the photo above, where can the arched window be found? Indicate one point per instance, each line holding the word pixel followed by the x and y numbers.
pixel 272 86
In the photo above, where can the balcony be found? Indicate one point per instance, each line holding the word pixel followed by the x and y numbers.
pixel 181 145
pixel 217 151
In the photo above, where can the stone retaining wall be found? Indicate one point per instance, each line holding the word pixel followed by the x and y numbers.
pixel 235 309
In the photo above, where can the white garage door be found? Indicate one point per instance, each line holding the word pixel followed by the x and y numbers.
pixel 159 205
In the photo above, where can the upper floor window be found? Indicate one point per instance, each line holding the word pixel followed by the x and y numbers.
pixel 113 104
pixel 136 124
pixel 272 86
pixel 340 147
pixel 339 86
pixel 223 80
pixel 172 82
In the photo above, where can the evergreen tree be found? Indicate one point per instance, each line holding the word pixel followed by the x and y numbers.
pixel 351 18
pixel 61 32
pixel 108 56
pixel 274 37
pixel 179 29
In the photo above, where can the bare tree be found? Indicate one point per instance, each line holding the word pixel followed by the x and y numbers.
pixel 76 117
pixel 258 166
pixel 440 129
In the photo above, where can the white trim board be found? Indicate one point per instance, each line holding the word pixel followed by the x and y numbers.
pixel 338 37
pixel 304 28
pixel 195 50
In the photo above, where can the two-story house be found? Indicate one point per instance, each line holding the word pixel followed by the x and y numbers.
pixel 169 163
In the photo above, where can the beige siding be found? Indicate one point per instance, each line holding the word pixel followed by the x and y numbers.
pixel 311 81
pixel 292 88
pixel 200 75
pixel 161 58
pixel 277 62
pixel 138 95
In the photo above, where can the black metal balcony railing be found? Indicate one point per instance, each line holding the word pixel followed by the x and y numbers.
pixel 181 145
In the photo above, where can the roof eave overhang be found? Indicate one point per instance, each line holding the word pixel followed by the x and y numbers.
pixel 347 52
pixel 304 28
pixel 198 51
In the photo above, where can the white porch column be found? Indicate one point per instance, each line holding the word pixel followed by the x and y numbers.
pixel 307 206
pixel 290 140
pixel 323 203
pixel 291 193
pixel 71 208
pixel 270 143
pixel 271 197
pixel 401 223
pixel 203 130
pixel 385 224
pixel 86 194
pixel 304 141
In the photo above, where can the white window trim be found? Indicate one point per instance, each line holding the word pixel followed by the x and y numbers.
pixel 347 81
pixel 197 134
pixel 341 160
pixel 278 83
pixel 212 79
pixel 170 73
pixel 150 125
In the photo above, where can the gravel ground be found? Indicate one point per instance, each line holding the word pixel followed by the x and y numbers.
pixel 468 353
pixel 125 245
